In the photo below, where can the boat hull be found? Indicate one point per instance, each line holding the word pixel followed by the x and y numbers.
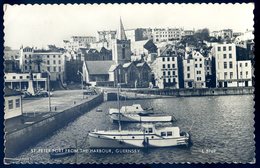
pixel 138 118
pixel 139 141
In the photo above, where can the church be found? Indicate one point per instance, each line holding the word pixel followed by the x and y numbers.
pixel 120 69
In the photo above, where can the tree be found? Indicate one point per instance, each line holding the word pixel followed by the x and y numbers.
pixel 202 34
pixel 38 61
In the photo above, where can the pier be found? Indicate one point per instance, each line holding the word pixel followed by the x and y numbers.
pixel 35 125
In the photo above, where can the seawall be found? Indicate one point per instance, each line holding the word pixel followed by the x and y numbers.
pixel 197 92
pixel 19 140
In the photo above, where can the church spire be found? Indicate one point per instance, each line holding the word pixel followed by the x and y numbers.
pixel 121 32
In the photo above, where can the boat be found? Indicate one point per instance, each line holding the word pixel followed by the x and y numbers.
pixel 146 137
pixel 62 153
pixel 136 113
pixel 99 110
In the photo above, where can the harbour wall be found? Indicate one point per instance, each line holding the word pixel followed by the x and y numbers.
pixel 198 92
pixel 19 140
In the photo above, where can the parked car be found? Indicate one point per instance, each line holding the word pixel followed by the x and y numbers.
pixel 43 94
pixel 26 94
pixel 90 92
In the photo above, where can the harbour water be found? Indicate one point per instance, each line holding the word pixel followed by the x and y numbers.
pixel 223 131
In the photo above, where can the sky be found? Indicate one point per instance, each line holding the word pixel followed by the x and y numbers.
pixel 41 25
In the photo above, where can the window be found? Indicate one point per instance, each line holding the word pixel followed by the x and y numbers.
pixel 225 65
pixel 59 56
pixel 246 64
pixel 150 130
pixel 48 69
pixel 219 49
pixel 224 56
pixel 172 59
pixel 48 62
pixel 169 73
pixel 25 61
pixel 224 48
pixel 241 73
pixel 163 133
pixel 196 65
pixel 163 65
pixel 198 78
pixel 200 59
pixel 10 104
pixel 21 77
pixel 198 72
pixel 231 75
pixel 14 77
pixel 17 103
pixel 164 73
pixel 188 68
pixel 48 56
pixel 201 65
pixel 35 76
pixel 168 59
pixel 30 56
pixel 188 61
pixel 195 59
pixel 173 72
pixel 54 69
pixel 169 66
pixel 27 77
pixel 246 72
pixel 240 64
pixel 163 59
pixel 188 75
pixel 54 56
pixel 230 64
pixel 59 61
pixel 54 62
pixel 169 133
pixel 229 48
pixel 25 56
pixel 225 75
pixel 173 65
pixel 230 55
pixel 59 69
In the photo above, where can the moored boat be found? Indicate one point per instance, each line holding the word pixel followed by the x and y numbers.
pixel 136 113
pixel 148 136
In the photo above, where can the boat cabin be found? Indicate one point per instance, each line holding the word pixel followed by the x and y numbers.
pixel 133 108
pixel 163 132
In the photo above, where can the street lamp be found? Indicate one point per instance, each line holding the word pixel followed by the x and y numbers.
pixel 81 83
pixel 49 78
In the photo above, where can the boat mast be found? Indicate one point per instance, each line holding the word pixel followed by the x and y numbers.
pixel 118 100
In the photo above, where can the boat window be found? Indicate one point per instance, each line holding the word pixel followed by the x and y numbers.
pixel 163 133
pixel 150 130
pixel 114 137
pixel 133 137
pixel 152 137
pixel 136 107
pixel 169 133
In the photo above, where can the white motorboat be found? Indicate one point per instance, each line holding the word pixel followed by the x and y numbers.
pixel 136 113
pixel 146 137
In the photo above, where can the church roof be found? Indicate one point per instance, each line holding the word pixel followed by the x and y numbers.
pixel 99 67
pixel 126 65
pixel 121 32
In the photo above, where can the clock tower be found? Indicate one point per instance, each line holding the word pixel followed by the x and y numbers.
pixel 121 46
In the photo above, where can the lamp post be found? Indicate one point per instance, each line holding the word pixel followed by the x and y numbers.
pixel 81 83
pixel 49 94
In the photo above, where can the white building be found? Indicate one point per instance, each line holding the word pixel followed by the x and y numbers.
pixel 165 69
pixel 20 81
pixel 225 33
pixel 42 60
pixel 225 65
pixel 169 34
pixel 76 42
pixel 194 71
pixel 244 69
pixel 13 107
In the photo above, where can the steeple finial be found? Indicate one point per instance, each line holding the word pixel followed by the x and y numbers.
pixel 121 32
